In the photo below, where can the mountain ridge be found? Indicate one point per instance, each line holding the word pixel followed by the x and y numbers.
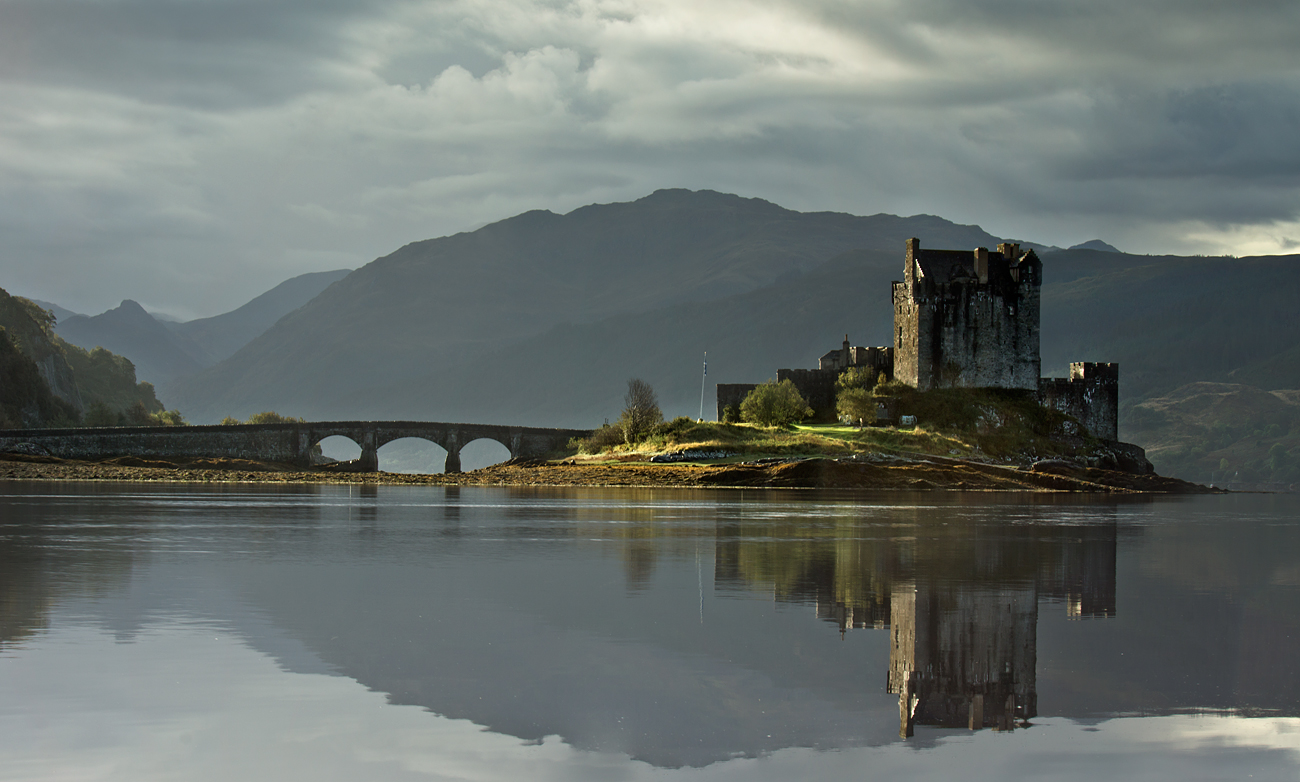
pixel 432 302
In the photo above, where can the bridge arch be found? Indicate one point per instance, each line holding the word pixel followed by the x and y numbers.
pixel 483 452
pixel 339 447
pixel 412 454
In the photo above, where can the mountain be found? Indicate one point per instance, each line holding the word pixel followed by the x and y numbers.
pixel 157 353
pixel 221 335
pixel 541 319
pixel 576 375
pixel 456 301
pixel 163 349
pixel 1168 321
pixel 1171 320
pixel 1096 244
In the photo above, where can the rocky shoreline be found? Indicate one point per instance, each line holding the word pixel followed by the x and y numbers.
pixel 879 472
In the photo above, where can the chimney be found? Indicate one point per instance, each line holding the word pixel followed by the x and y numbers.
pixel 909 265
pixel 982 265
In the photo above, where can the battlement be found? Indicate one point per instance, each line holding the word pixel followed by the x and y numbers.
pixel 1094 371
pixel 1090 394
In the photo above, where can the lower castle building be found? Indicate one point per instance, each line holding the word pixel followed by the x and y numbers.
pixel 963 319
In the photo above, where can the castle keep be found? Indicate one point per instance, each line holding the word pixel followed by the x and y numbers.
pixel 966 319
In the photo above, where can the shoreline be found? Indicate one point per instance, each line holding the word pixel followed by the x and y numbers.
pixel 912 473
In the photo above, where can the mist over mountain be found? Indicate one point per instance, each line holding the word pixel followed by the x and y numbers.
pixel 445 304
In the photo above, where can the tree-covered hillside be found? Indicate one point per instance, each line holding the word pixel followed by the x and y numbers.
pixel 48 382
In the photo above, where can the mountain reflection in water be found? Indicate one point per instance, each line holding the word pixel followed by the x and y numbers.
pixel 688 628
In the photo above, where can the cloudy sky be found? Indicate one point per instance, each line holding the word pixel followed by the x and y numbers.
pixel 190 154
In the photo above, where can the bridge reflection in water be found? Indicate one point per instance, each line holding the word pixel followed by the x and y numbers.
pixel 961 608
pixel 291 443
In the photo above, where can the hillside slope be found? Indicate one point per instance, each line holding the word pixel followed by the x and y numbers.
pixel 76 380
pixel 221 335
pixel 453 301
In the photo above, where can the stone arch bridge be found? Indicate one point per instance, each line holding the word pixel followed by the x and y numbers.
pixel 291 443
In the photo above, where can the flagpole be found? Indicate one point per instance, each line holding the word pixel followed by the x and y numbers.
pixel 702 379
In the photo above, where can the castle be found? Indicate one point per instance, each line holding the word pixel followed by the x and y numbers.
pixel 964 319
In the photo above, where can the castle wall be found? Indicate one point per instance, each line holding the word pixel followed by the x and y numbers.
pixel 967 335
pixel 732 394
pixel 816 386
pixel 1090 394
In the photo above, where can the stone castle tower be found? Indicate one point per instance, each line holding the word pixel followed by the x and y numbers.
pixel 968 319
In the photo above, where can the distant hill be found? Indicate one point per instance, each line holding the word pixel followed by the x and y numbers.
pixel 157 352
pixel 458 300
pixel 1170 320
pixel 1231 434
pixel 1096 244
pixel 540 319
pixel 60 313
pixel 163 350
pixel 221 335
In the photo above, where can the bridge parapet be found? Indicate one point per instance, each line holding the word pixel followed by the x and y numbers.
pixel 290 442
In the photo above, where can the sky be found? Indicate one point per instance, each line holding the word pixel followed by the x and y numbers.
pixel 191 154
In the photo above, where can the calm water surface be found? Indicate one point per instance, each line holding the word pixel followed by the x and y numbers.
pixel 318 632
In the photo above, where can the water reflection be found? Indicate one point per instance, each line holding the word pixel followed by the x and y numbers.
pixel 960 600
pixel 685 628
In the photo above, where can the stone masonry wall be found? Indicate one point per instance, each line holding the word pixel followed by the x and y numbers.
pixel 816 386
pixel 971 321
pixel 1090 394
pixel 732 394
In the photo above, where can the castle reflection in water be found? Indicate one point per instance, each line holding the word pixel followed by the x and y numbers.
pixel 961 608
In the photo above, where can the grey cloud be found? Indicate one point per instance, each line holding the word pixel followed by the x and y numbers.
pixel 207 53
pixel 234 144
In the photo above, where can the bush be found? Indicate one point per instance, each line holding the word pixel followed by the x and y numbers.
pixel 731 414
pixel 775 404
pixel 603 439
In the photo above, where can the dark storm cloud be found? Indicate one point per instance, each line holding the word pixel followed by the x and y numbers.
pixel 232 144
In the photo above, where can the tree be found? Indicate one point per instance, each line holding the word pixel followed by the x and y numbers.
pixel 856 404
pixel 641 411
pixel 854 397
pixel 775 404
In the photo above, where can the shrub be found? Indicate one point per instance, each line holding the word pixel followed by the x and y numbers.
pixel 272 417
pixel 603 439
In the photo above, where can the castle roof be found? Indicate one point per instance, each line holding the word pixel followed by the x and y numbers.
pixel 942 266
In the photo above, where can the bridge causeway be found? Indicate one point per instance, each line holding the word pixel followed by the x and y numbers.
pixel 290 443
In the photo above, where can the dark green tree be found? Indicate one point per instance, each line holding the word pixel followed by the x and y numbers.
pixel 775 404
pixel 854 397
